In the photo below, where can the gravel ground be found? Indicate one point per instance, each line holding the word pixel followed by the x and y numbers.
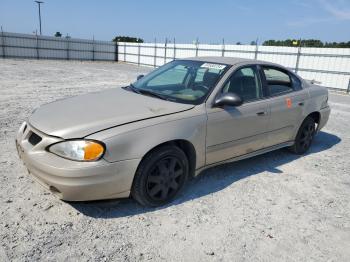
pixel 274 207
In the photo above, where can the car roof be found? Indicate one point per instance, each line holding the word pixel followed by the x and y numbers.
pixel 230 60
pixel 238 60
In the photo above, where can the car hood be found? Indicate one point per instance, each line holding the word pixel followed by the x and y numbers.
pixel 82 115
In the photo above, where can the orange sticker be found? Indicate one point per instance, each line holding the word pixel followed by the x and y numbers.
pixel 289 102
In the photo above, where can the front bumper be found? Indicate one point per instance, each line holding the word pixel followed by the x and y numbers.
pixel 72 180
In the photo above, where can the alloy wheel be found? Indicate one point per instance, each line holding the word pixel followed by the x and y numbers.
pixel 165 178
pixel 307 135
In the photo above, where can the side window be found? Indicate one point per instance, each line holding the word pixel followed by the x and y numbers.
pixel 174 76
pixel 296 82
pixel 278 81
pixel 246 83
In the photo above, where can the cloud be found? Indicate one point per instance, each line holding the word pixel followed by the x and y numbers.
pixel 309 21
pixel 243 8
pixel 303 4
pixel 336 11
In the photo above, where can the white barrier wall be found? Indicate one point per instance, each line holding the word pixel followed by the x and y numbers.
pixel 330 66
pixel 47 47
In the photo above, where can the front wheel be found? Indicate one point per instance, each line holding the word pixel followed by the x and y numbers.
pixel 304 137
pixel 160 176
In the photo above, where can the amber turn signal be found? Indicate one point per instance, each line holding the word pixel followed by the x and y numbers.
pixel 92 151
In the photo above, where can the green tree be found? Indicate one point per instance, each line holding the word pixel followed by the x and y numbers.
pixel 306 43
pixel 58 34
pixel 127 39
pixel 339 45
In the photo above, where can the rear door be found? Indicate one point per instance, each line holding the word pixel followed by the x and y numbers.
pixel 235 131
pixel 286 100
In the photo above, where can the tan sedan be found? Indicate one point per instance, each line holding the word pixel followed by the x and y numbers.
pixel 147 139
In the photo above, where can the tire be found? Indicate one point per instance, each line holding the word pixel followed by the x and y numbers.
pixel 160 176
pixel 304 137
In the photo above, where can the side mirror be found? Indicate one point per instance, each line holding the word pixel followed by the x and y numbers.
pixel 139 77
pixel 228 99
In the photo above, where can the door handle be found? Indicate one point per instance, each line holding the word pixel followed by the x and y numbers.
pixel 261 113
pixel 301 103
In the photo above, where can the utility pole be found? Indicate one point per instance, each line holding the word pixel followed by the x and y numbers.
pixel 39 2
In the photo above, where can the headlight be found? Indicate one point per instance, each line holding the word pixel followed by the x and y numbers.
pixel 78 150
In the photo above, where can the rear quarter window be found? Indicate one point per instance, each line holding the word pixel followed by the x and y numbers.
pixel 278 81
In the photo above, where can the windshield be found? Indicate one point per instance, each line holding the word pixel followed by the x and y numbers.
pixel 183 81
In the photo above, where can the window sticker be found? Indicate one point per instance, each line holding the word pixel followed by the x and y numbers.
pixel 289 102
pixel 213 66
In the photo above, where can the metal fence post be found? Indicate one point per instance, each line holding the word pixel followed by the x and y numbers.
pixel 197 42
pixel 138 54
pixel 174 52
pixel 256 50
pixel 93 48
pixel 116 52
pixel 348 90
pixel 223 48
pixel 124 51
pixel 67 40
pixel 37 46
pixel 155 53
pixel 3 43
pixel 298 58
pixel 165 50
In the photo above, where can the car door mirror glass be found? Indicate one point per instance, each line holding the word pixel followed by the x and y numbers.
pixel 228 99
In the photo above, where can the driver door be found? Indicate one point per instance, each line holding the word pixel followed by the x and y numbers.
pixel 235 131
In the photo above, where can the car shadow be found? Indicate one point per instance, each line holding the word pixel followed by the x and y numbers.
pixel 209 181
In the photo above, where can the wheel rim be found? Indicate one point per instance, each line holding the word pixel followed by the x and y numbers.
pixel 307 135
pixel 165 179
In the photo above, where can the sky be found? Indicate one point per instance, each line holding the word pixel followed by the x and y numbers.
pixel 184 20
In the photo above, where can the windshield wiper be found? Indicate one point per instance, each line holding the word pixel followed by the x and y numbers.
pixel 133 88
pixel 146 92
pixel 151 93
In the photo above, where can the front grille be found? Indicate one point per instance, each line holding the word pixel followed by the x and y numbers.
pixel 34 139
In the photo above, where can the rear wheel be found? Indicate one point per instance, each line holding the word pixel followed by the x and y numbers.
pixel 160 176
pixel 304 137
